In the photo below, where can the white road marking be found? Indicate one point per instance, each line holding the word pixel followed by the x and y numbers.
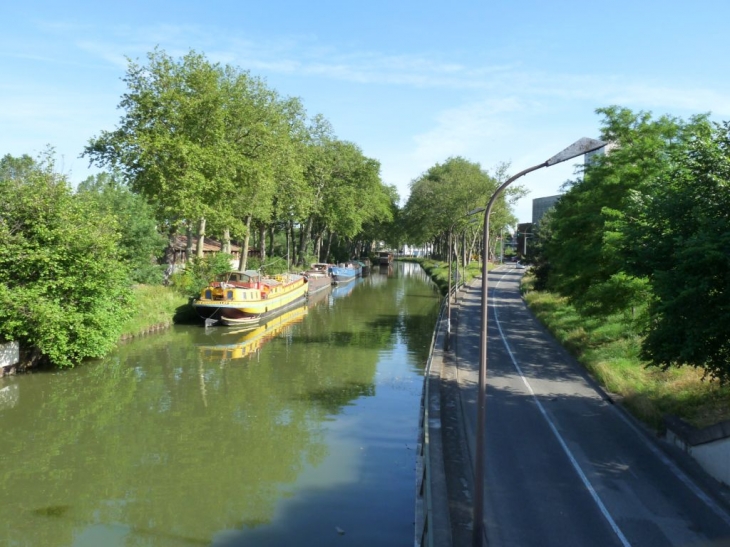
pixel 555 431
pixel 689 483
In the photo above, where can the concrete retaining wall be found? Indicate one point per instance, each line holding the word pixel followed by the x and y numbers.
pixel 9 354
pixel 709 446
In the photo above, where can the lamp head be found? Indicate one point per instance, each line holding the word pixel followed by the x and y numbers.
pixel 578 148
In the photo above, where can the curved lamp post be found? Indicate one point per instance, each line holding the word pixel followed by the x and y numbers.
pixel 578 148
pixel 447 343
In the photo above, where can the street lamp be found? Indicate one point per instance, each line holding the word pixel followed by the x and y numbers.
pixel 525 235
pixel 448 300
pixel 578 148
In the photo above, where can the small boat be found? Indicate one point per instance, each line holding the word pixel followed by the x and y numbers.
pixel 247 298
pixel 385 258
pixel 344 273
pixel 318 277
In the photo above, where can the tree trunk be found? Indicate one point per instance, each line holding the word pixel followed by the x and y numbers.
pixel 189 243
pixel 292 252
pixel 306 231
pixel 226 241
pixel 329 246
pixel 201 238
pixel 473 244
pixel 243 261
pixel 271 239
pixel 170 251
pixel 262 242
pixel 318 246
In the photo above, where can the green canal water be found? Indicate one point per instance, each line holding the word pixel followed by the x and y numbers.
pixel 300 433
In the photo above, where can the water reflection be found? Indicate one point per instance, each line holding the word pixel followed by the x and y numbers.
pixel 166 442
pixel 227 344
pixel 343 290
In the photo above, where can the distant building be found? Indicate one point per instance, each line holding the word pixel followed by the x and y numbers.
pixel 540 206
pixel 587 158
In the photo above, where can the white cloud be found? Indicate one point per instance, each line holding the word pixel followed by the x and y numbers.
pixel 495 112
pixel 305 55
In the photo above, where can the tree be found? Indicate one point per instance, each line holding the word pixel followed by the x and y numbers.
pixel 386 224
pixel 170 143
pixel 261 152
pixel 140 242
pixel 677 236
pixel 586 252
pixel 63 290
pixel 540 263
pixel 354 194
pixel 441 198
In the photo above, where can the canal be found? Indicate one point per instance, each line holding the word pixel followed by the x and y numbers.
pixel 300 433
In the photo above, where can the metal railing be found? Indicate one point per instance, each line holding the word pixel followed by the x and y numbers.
pixel 432 523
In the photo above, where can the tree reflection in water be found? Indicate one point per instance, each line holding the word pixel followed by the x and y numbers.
pixel 193 436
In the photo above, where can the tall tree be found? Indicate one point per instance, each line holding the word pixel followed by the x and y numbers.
pixel 585 253
pixel 355 193
pixel 140 243
pixel 676 235
pixel 441 198
pixel 318 161
pixel 170 143
pixel 260 152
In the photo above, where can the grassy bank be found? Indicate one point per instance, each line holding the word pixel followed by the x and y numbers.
pixel 439 271
pixel 611 353
pixel 156 307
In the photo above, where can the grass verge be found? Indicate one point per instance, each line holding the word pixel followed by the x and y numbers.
pixel 439 271
pixel 156 307
pixel 610 352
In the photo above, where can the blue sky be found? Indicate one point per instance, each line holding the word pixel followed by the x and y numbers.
pixel 412 83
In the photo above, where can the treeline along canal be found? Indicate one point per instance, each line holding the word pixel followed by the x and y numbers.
pixel 301 432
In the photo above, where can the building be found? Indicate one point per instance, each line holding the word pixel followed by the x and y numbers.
pixel 540 206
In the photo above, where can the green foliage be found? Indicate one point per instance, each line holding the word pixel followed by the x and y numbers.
pixel 543 233
pixel 153 306
pixel 169 144
pixel 63 290
pixel 441 198
pixel 645 236
pixel 140 243
pixel 199 272
pixel 439 272
pixel 204 141
pixel 587 247
pixel 275 265
pixel 679 236
pixel 346 194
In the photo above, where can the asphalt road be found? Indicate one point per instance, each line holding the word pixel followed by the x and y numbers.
pixel 564 465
